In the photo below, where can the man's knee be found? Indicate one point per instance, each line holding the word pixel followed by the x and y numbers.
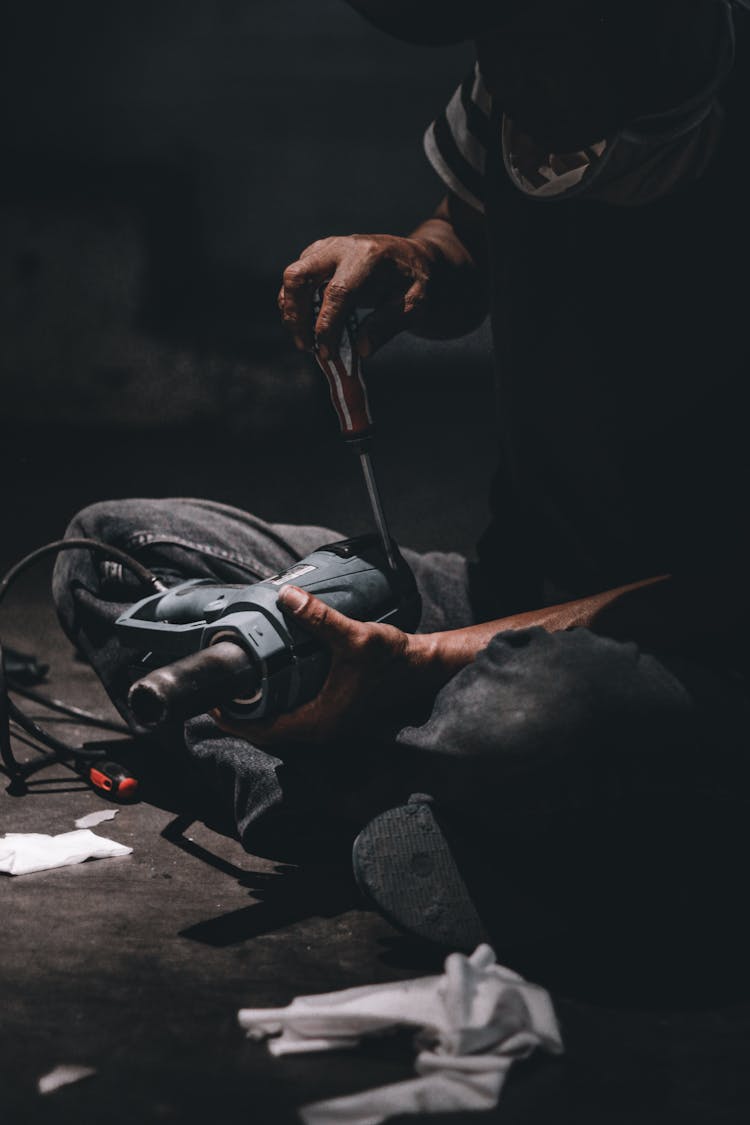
pixel 532 697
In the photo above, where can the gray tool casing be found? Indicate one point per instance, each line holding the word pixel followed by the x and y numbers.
pixel 352 576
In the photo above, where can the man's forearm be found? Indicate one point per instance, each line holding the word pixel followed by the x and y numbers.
pixel 455 236
pixel 640 611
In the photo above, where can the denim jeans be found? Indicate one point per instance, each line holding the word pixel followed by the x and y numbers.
pixel 541 735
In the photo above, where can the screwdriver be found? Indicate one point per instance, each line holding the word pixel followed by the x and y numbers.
pixel 349 397
pixel 108 777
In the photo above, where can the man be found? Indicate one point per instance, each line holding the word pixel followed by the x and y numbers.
pixel 589 673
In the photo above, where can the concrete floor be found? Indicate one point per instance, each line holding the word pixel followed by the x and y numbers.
pixel 137 966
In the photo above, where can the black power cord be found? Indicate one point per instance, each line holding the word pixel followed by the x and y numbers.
pixel 58 749
pixel 80 713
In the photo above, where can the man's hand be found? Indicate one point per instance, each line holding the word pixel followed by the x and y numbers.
pixel 429 283
pixel 373 668
pixel 380 271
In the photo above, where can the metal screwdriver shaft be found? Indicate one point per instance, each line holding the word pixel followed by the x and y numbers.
pixel 377 507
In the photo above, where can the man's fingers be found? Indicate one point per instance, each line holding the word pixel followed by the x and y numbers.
pixel 375 271
pixel 337 301
pixel 297 318
pixel 339 298
pixel 300 281
pixel 391 318
pixel 320 244
pixel 314 615
pixel 356 269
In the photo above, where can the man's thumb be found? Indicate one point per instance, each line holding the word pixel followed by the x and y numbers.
pixel 314 614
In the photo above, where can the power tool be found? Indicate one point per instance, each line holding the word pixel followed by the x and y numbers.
pixel 232 647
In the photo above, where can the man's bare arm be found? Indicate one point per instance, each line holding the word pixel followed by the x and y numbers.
pixel 458 235
pixel 659 614
pixel 641 611
pixel 375 667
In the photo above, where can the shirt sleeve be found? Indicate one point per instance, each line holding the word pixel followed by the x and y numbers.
pixel 456 142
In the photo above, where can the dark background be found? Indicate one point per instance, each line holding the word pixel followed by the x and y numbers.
pixel 162 164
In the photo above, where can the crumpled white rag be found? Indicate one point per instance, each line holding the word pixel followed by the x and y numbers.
pixel 24 852
pixel 472 1022
pixel 63 1075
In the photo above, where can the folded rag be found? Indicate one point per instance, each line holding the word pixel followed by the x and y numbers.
pixel 472 1022
pixel 24 852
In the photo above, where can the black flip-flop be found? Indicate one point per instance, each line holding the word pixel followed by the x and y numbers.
pixel 404 867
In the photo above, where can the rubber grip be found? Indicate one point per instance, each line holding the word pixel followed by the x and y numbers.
pixel 347 387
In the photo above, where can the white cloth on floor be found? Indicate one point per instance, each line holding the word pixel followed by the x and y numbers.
pixel 90 820
pixel 472 1022
pixel 440 1092
pixel 24 852
pixel 63 1075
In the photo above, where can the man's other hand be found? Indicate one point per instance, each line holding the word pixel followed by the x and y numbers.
pixel 373 668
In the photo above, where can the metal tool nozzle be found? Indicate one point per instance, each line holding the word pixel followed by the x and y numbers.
pixel 194 685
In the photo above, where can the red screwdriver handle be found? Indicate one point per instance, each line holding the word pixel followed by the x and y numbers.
pixel 347 387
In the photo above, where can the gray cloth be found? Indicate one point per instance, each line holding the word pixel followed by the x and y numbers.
pixel 192 538
pixel 536 731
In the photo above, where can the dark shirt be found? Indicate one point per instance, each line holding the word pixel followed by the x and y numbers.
pixel 621 338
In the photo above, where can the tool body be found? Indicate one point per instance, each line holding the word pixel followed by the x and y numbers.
pixel 233 647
